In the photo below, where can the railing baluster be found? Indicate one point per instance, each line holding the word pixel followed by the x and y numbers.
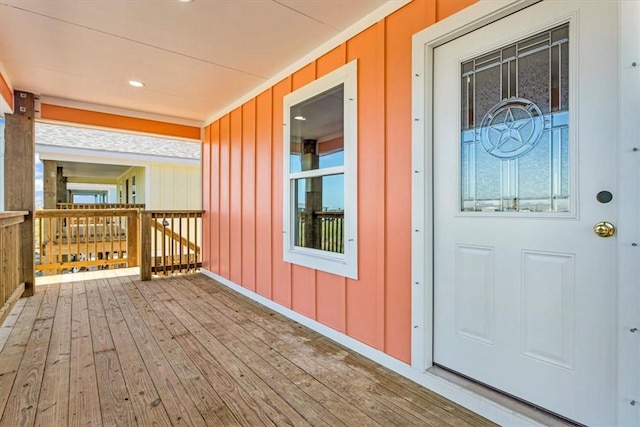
pixel 155 243
pixel 50 240
pixel 189 268
pixel 173 245
pixel 181 268
pixel 164 244
pixel 112 224
pixel 40 237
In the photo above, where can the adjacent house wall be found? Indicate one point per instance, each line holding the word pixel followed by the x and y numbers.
pixel 139 173
pixel 173 187
pixel 242 187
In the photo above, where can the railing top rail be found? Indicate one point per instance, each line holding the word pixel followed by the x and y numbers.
pixel 100 205
pixel 12 217
pixel 63 213
pixel 175 212
pixel 13 214
pixel 330 213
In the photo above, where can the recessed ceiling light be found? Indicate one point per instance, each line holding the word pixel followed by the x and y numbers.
pixel 136 83
pixel 301 118
pixel 186 1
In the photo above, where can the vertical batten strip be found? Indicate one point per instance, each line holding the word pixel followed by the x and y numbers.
pixel 249 196
pixel 225 199
pixel 215 198
pixel 264 183
pixel 281 284
pixel 235 197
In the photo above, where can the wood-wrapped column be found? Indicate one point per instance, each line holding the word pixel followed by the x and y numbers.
pixel 19 179
pixel 313 194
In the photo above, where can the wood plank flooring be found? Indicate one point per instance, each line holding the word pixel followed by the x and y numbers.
pixel 104 348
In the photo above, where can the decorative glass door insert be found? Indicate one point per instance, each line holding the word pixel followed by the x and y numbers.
pixel 515 127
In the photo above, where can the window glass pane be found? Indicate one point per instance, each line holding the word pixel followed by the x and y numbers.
pixel 317 131
pixel 515 127
pixel 487 87
pixel 319 218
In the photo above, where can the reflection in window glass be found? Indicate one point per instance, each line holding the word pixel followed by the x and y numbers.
pixel 317 131
pixel 515 127
pixel 319 222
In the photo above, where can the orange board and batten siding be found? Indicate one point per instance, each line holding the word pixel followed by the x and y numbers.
pixel 206 195
pixel 114 121
pixel 243 190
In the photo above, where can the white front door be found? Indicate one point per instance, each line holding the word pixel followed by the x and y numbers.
pixel 524 158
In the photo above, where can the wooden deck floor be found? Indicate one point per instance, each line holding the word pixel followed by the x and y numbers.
pixel 110 350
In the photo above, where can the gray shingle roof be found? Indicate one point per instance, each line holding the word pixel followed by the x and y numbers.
pixel 94 139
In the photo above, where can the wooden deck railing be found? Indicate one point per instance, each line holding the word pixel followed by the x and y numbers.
pixel 325 230
pixel 69 239
pixel 170 242
pixel 100 205
pixel 11 278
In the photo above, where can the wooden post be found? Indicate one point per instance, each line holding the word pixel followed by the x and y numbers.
pixel 145 245
pixel 50 199
pixel 132 239
pixel 62 195
pixel 19 182
pixel 313 194
pixel 50 183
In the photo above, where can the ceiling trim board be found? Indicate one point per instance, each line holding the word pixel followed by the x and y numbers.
pixel 101 108
pixel 58 113
pixel 369 20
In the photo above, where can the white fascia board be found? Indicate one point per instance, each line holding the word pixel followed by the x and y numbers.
pixel 355 29
pixel 87 186
pixel 52 152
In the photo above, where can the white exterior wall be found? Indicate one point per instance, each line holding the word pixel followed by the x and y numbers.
pixel 140 174
pixel 174 187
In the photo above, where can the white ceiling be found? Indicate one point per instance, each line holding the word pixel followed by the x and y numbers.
pixel 195 58
pixel 91 170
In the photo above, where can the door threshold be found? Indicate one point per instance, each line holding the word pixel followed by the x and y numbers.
pixel 527 409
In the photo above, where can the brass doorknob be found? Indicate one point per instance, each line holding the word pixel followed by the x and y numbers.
pixel 604 229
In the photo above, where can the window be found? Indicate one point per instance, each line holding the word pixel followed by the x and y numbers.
pixel 133 189
pixel 515 154
pixel 320 174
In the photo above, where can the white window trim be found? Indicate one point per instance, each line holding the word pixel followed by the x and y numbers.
pixel 340 264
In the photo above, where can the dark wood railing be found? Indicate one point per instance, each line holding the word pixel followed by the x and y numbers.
pixel 100 206
pixel 11 276
pixel 170 242
pixel 71 239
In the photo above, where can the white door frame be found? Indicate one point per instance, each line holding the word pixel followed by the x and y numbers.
pixel 627 284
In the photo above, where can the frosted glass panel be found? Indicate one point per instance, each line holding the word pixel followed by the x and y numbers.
pixel 515 127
